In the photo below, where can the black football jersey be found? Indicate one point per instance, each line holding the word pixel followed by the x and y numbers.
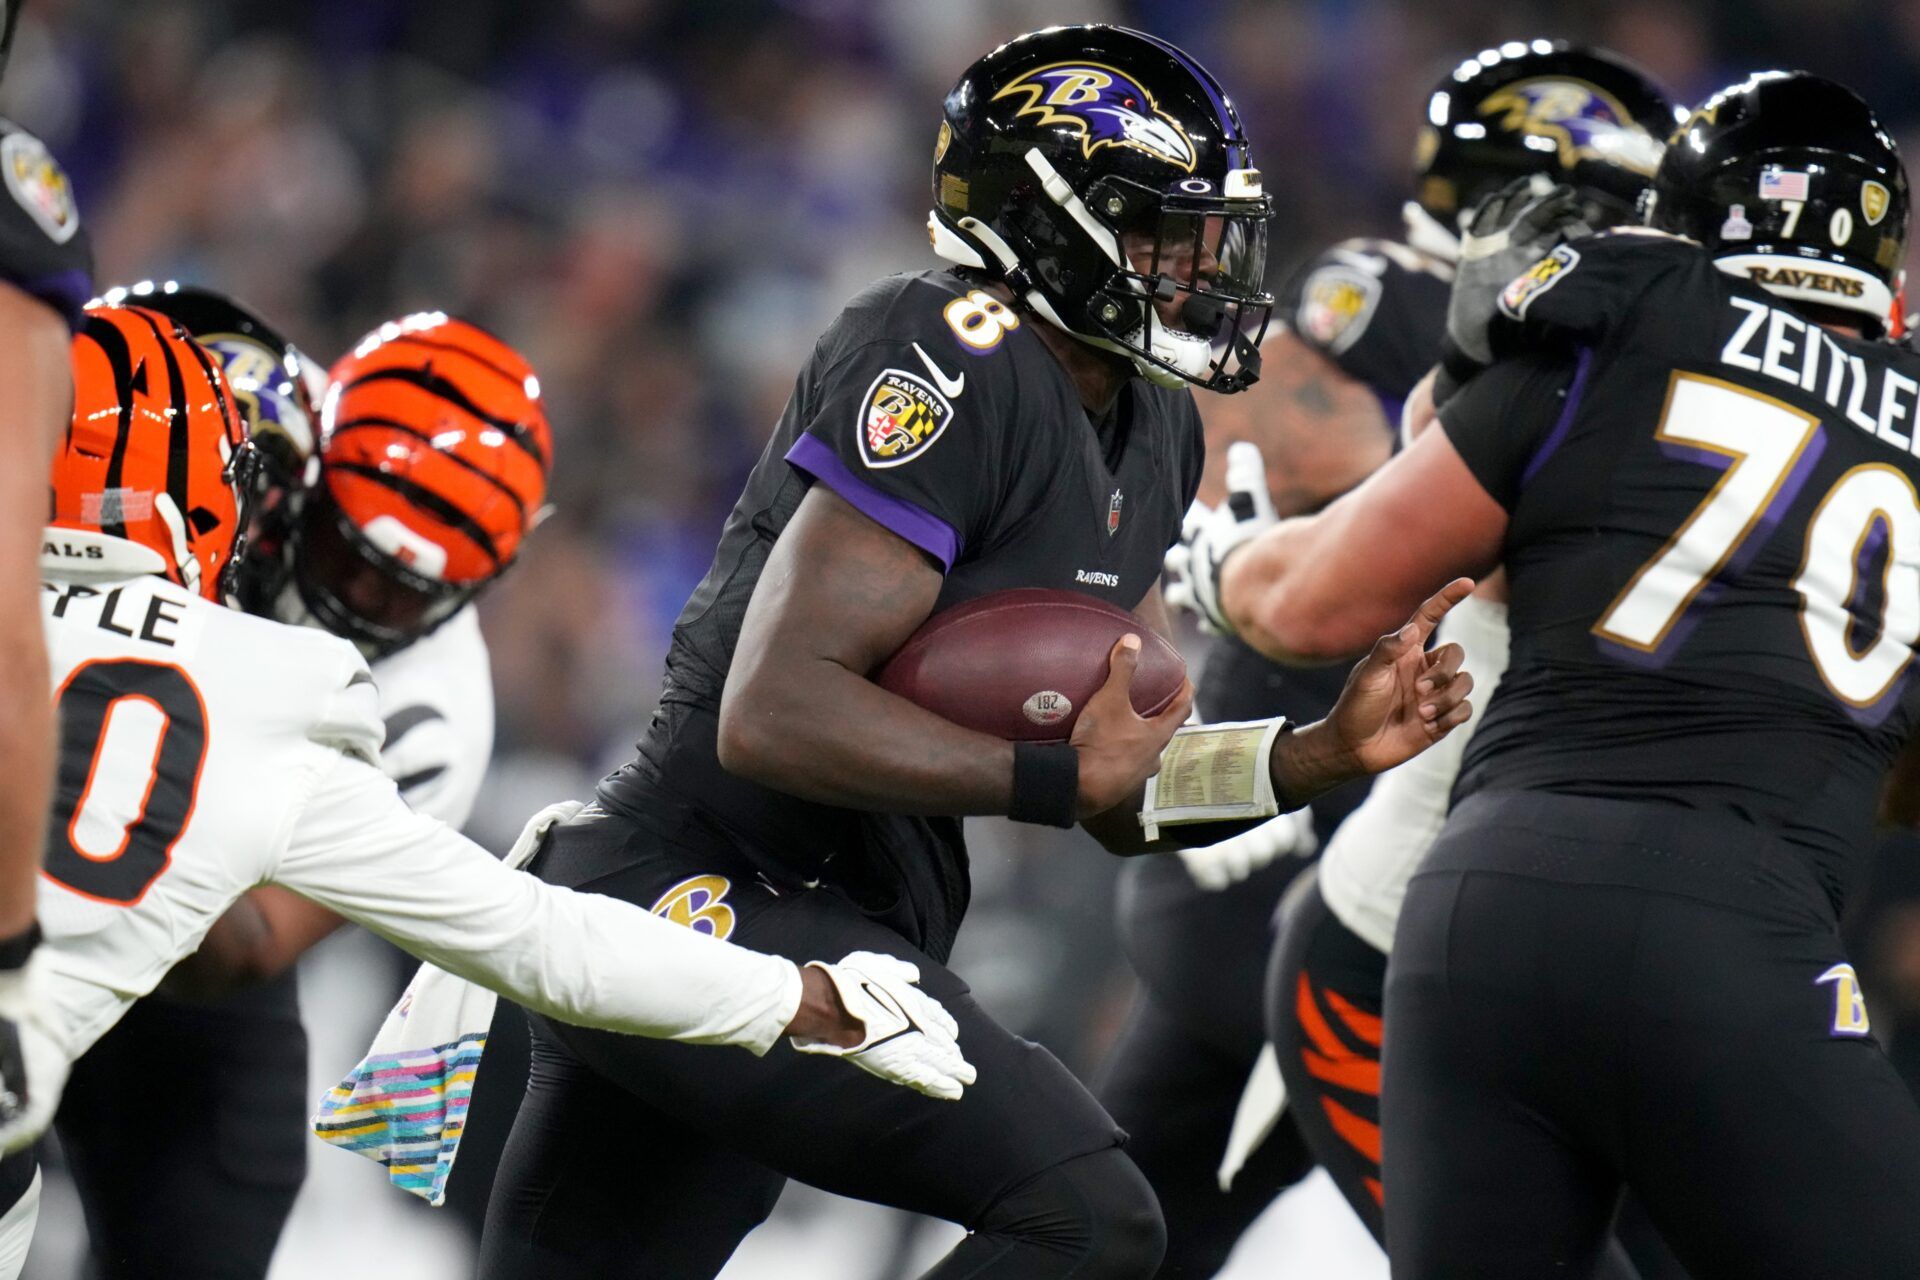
pixel 1714 543
pixel 43 248
pixel 939 413
pixel 1377 309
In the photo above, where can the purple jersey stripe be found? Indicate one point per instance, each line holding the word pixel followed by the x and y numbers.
pixel 928 532
pixel 1557 436
pixel 65 291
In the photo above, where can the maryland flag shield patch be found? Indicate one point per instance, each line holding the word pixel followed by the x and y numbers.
pixel 1536 280
pixel 1335 305
pixel 900 418
pixel 39 185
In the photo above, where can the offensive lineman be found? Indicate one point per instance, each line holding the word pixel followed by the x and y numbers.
pixel 159 1193
pixel 205 751
pixel 1364 323
pixel 1620 963
pixel 1019 421
pixel 46 276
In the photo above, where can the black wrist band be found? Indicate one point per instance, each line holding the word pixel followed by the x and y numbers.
pixel 17 950
pixel 1046 784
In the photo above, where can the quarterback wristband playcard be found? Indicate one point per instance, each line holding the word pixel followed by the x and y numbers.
pixel 1213 773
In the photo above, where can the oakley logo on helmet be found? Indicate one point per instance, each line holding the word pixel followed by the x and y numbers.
pixel 1107 107
pixel 1585 121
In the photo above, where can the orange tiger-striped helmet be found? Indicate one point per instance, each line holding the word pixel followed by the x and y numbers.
pixel 434 458
pixel 156 456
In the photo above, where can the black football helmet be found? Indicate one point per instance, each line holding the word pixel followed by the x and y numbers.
pixel 278 391
pixel 1103 176
pixel 1789 180
pixel 1584 117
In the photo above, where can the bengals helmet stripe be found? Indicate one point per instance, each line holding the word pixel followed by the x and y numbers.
pixel 414 339
pixel 432 383
pixel 433 469
pixel 394 424
pixel 155 453
pixel 421 496
pixel 112 343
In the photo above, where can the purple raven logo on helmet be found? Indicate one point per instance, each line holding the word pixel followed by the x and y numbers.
pixel 1108 107
pixel 1584 121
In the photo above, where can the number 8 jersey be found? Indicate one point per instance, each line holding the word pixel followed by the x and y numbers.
pixel 1714 542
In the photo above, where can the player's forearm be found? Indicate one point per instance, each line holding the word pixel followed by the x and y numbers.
pixel 257 939
pixel 815 730
pixel 34 406
pixel 26 761
pixel 1287 597
pixel 600 962
pixel 1306 762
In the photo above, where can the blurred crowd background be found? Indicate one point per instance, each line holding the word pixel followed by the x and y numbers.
pixel 662 202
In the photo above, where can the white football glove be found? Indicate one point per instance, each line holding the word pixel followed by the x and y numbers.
pixel 910 1040
pixel 33 1066
pixel 1211 534
pixel 1221 866
pixel 1507 233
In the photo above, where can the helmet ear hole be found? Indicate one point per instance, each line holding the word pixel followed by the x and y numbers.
pixel 203 521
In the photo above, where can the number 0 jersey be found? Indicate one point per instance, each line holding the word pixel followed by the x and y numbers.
pixel 938 412
pixel 1714 543
pixel 206 751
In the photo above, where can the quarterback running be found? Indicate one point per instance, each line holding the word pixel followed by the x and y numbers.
pixel 1019 418
pixel 206 751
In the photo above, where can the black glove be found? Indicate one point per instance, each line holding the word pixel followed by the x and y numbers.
pixel 1508 232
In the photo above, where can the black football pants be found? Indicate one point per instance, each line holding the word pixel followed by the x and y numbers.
pixel 643 1158
pixel 185 1129
pixel 1551 1039
pixel 1174 1077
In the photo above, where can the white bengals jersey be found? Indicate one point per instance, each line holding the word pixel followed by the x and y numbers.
pixel 205 751
pixel 436 700
pixel 1374 853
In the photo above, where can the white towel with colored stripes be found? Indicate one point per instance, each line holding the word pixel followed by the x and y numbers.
pixel 405 1105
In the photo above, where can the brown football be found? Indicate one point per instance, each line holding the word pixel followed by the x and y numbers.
pixel 1020 664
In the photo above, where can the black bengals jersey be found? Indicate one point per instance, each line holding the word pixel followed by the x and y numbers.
pixel 939 413
pixel 44 250
pixel 1714 544
pixel 1377 309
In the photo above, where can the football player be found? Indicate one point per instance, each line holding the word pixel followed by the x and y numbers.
pixel 46 268
pixel 1018 419
pixel 159 1192
pixel 1620 963
pixel 205 751
pixel 1363 324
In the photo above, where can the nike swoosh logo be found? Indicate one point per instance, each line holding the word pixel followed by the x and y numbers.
pixel 951 387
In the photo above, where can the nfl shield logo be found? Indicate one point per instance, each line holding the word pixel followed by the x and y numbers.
pixel 1113 513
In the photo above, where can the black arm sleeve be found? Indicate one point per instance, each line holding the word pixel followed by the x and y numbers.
pixel 44 251
pixel 1504 418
